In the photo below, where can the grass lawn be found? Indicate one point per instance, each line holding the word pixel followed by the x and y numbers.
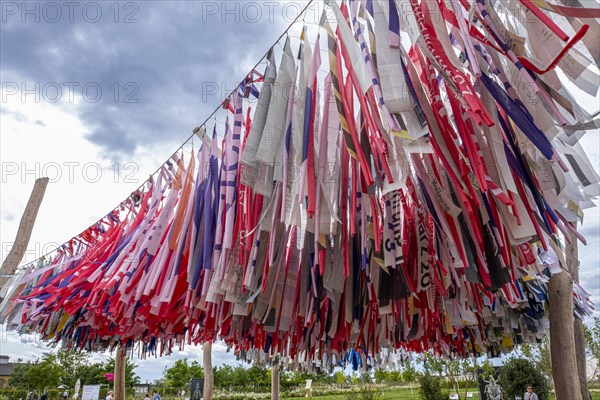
pixel 405 394
pixel 399 394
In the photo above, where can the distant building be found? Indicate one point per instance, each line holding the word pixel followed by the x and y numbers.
pixel 6 370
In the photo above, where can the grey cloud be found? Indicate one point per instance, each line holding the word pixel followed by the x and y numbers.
pixel 7 216
pixel 19 116
pixel 165 58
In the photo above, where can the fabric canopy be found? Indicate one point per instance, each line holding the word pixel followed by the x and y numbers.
pixel 406 182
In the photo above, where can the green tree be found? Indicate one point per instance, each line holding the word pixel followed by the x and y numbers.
pixel 224 376
pixel 539 355
pixel 545 363
pixel 130 376
pixel 517 373
pixel 45 374
pixel 383 376
pixel 592 338
pixel 72 362
pixel 181 374
pixel 592 349
pixel 409 373
pixel 288 379
pixel 487 369
pixel 258 375
pixel 92 374
pixel 196 370
pixel 454 370
pixel 431 387
pixel 18 377
pixel 239 376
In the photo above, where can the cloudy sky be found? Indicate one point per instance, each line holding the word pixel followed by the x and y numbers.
pixel 96 95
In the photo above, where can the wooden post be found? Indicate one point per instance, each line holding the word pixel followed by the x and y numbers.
pixel 275 379
pixel 208 371
pixel 581 359
pixel 562 334
pixel 12 261
pixel 572 256
pixel 119 382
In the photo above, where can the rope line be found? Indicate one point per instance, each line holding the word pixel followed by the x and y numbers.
pixel 190 138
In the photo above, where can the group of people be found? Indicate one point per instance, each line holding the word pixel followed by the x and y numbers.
pixel 32 395
pixel 109 396
pixel 155 396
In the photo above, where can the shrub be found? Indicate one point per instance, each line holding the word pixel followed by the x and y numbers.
pixel 516 374
pixel 13 394
pixel 365 392
pixel 431 388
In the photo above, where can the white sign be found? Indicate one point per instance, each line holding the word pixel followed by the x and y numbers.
pixel 90 392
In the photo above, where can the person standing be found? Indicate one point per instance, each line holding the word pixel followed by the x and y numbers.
pixel 530 394
pixel 109 396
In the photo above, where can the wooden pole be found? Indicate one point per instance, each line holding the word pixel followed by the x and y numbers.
pixel 208 371
pixel 119 382
pixel 572 256
pixel 12 261
pixel 562 335
pixel 581 359
pixel 275 379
